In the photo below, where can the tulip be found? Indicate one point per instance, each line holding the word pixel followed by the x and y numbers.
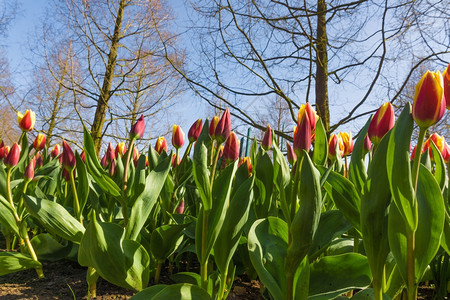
pixel 138 129
pixel 302 135
pixel 429 103
pixel 39 142
pixel 175 162
pixel 56 151
pixel 120 149
pixel 381 123
pixel 312 115
pixel 29 170
pixel 112 168
pixel 3 149
pixel 291 156
pixel 109 156
pixel 180 208
pixel 39 159
pixel 440 143
pixel 266 143
pixel 83 156
pixel 12 159
pixel 335 146
pixel 161 144
pixel 27 120
pixel 177 136
pixel 223 129
pixel 66 174
pixel 68 158
pixel 231 148
pixel 136 155
pixel 446 77
pixel 347 141
pixel 367 144
pixel 446 153
pixel 246 160
pixel 195 130
pixel 212 126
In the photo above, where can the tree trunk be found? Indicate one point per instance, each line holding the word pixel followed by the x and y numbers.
pixel 322 66
pixel 105 93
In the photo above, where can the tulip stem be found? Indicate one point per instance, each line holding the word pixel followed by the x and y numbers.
pixel 297 168
pixel 76 202
pixel 204 258
pixel 417 157
pixel 125 181
pixel 215 165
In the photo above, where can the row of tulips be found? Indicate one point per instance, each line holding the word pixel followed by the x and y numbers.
pixel 308 225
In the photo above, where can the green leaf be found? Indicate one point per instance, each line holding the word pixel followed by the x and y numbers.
pixel 166 239
pixel 332 276
pixel 83 182
pixel 399 169
pixel 11 262
pixel 320 145
pixel 367 294
pixel 445 239
pixel 429 229
pixel 267 246
pixel 100 176
pixel 306 220
pixel 6 215
pixel 439 167
pixel 374 212
pixel 47 248
pixel 124 263
pixel 200 166
pixel 332 224
pixel 181 291
pixel 3 189
pixel 144 203
pixel 265 174
pixel 235 220
pixel 186 277
pixel 281 172
pixel 55 218
pixel 357 170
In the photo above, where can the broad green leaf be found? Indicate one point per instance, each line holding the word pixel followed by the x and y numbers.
pixel 445 239
pixel 394 283
pixel 439 167
pixel 124 263
pixel 306 220
pixel 301 280
pixel 345 197
pixel 149 292
pixel 367 294
pixel 181 291
pixel 186 277
pixel 215 217
pixel 6 215
pixel 357 170
pixel 374 212
pixel 55 218
pixel 332 276
pixel 265 173
pixel 11 262
pixel 281 172
pixel 100 176
pixel 144 203
pixel 83 182
pixel 320 145
pixel 235 219
pixel 3 189
pixel 47 248
pixel 267 246
pixel 429 229
pixel 200 167
pixel 166 239
pixel 332 224
pixel 399 169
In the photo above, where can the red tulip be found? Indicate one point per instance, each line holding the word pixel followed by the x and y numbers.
pixel 56 151
pixel 180 208
pixel 138 129
pixel 223 129
pixel 302 135
pixel 27 120
pixel 66 173
pixel 175 162
pixel 3 149
pixel 347 141
pixel 29 170
pixel 335 144
pixel 446 77
pixel 12 159
pixel 161 145
pixel 39 159
pixel 312 116
pixel 39 142
pixel 429 103
pixel 367 144
pixel 231 148
pixel 177 136
pixel 83 156
pixel 120 149
pixel 212 126
pixel 109 156
pixel 195 130
pixel 68 158
pixel 381 123
pixel 291 156
pixel 266 143
pixel 246 160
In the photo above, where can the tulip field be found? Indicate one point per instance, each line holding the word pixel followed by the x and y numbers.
pixel 330 218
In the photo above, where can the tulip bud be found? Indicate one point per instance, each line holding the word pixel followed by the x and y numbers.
pixel 231 148
pixel 68 158
pixel 302 135
pixel 109 156
pixel 429 103
pixel 223 128
pixel 177 136
pixel 138 129
pixel 161 145
pixel 2 150
pixel 39 159
pixel 29 170
pixel 347 141
pixel 246 160
pixel 335 144
pixel 180 208
pixel 381 123
pixel 83 156
pixel 195 130
pixel 66 173
pixel 39 142
pixel 446 77
pixel 367 144
pixel 120 149
pixel 266 143
pixel 175 162
pixel 56 151
pixel 446 153
pixel 112 168
pixel 12 159
pixel 212 126
pixel 27 120
pixel 312 115
pixel 291 156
